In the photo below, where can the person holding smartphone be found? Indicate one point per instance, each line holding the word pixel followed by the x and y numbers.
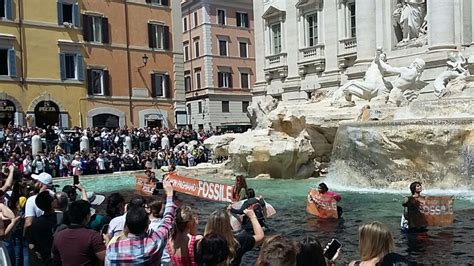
pixel 312 253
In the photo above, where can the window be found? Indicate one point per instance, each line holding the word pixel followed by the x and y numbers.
pixel 158 2
pixel 200 107
pixel 6 9
pixel 98 81
pixel 222 47
pixel 71 66
pixel 186 52
pixel 7 62
pixel 195 19
pixel 185 24
pixel 312 29
pixel 187 82
pixel 68 14
pixel 224 79
pixel 276 38
pixel 160 84
pixel 243 49
pixel 95 29
pixel 225 106
pixel 245 106
pixel 244 80
pixel 242 19
pixel 196 48
pixel 352 12
pixel 198 78
pixel 158 36
pixel 221 17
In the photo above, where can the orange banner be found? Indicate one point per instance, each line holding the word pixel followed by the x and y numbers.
pixel 321 206
pixel 430 211
pixel 143 186
pixel 194 187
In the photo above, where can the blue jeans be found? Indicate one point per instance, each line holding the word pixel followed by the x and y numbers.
pixel 18 251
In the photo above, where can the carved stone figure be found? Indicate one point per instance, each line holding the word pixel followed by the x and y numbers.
pixel 406 86
pixel 372 85
pixel 409 20
pixel 456 69
pixel 258 112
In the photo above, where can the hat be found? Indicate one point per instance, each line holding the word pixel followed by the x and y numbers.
pixel 95 199
pixel 44 178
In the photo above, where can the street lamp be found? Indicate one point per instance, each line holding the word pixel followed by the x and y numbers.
pixel 145 59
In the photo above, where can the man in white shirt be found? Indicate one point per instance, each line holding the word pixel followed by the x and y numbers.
pixel 117 224
pixel 43 181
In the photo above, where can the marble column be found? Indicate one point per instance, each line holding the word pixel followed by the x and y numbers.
pixel 365 31
pixel 441 25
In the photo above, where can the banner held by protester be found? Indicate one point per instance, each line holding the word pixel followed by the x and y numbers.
pixel 321 206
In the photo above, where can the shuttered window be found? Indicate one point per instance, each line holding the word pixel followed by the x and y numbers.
pixel 160 86
pixel 71 66
pixel 95 29
pixel 158 36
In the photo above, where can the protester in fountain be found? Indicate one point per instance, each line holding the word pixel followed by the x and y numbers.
pixel 219 222
pixel 140 247
pixel 239 191
pixel 212 250
pixel 277 250
pixel 258 206
pixel 182 242
pixel 412 220
pixel 78 245
pixel 375 241
pixel 324 190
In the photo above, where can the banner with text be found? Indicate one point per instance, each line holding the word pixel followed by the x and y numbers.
pixel 321 206
pixel 430 211
pixel 143 186
pixel 200 188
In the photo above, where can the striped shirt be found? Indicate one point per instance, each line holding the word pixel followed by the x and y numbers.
pixel 145 249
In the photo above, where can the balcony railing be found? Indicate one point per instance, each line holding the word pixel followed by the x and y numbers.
pixel 347 45
pixel 311 53
pixel 275 61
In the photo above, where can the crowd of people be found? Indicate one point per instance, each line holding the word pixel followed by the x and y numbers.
pixel 64 228
pixel 61 154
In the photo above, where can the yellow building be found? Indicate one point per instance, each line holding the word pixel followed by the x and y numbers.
pixel 41 62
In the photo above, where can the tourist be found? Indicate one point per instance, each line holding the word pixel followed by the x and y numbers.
pixel 324 190
pixel 219 222
pixel 311 253
pixel 212 250
pixel 115 206
pixel 277 250
pixel 258 206
pixel 182 242
pixel 375 241
pixel 43 181
pixel 78 245
pixel 239 191
pixel 117 224
pixel 40 233
pixel 139 247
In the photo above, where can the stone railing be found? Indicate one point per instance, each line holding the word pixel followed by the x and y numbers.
pixel 311 53
pixel 346 45
pixel 275 61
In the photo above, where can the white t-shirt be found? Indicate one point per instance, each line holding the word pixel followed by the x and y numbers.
pixel 101 163
pixel 116 225
pixel 31 210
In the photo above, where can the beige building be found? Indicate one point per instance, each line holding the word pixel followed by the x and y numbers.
pixel 219 55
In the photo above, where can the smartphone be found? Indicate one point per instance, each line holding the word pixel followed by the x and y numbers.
pixel 104 229
pixel 334 246
pixel 76 180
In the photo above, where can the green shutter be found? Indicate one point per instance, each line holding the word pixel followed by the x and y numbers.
pixel 60 12
pixel 76 13
pixel 80 67
pixel 62 66
pixel 8 9
pixel 12 62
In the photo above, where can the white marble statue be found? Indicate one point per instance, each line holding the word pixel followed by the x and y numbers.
pixel 405 87
pixel 372 85
pixel 258 112
pixel 409 20
pixel 456 69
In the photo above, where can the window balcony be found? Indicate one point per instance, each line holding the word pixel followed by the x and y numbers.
pixel 276 65
pixel 347 52
pixel 311 59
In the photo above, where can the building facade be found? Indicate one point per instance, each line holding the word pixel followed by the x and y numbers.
pixel 306 46
pixel 91 63
pixel 219 68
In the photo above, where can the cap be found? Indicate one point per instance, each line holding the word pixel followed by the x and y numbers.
pixel 44 178
pixel 95 199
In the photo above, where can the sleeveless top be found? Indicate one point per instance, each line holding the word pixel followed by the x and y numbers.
pixel 183 261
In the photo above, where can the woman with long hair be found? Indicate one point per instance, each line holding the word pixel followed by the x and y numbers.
pixel 219 222
pixel 240 188
pixel 375 241
pixel 182 241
